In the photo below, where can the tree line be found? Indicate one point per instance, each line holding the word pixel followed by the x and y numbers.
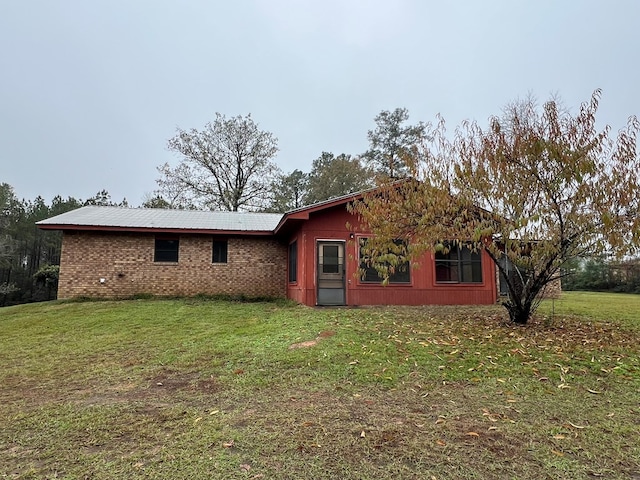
pixel 603 274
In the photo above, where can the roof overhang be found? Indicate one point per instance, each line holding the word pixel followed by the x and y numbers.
pixel 299 215
pixel 196 231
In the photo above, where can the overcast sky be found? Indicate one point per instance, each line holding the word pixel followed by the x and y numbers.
pixel 91 90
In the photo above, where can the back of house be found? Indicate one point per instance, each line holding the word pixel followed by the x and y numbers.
pixel 311 255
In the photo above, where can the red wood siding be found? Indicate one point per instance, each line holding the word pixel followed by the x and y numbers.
pixel 331 224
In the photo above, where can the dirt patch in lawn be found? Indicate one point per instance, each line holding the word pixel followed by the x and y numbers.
pixel 162 386
pixel 312 343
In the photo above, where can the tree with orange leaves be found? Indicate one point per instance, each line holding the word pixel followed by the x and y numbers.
pixel 536 188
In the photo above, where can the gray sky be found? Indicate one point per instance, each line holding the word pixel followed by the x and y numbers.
pixel 91 90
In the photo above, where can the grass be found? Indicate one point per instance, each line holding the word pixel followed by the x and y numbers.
pixel 199 388
pixel 619 307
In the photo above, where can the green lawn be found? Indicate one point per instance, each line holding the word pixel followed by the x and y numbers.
pixel 200 388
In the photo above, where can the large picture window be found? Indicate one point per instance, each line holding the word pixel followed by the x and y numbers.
pixel 220 250
pixel 293 262
pixel 458 265
pixel 166 249
pixel 401 273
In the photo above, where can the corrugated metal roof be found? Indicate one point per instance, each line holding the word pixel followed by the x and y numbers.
pixel 163 219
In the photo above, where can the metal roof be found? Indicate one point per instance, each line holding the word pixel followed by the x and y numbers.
pixel 105 218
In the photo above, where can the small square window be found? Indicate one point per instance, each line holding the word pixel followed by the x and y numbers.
pixel 220 248
pixel 166 249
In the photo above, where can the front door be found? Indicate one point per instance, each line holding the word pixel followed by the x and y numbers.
pixel 331 273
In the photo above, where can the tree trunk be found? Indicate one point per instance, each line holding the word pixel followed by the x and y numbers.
pixel 518 314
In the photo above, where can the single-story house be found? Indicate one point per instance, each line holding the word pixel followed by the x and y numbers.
pixel 310 255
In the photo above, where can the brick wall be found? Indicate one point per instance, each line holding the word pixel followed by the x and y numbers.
pixel 103 264
pixel 553 289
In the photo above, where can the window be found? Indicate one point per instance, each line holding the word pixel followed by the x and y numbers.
pixel 401 274
pixel 458 265
pixel 166 249
pixel 220 248
pixel 293 262
pixel 331 260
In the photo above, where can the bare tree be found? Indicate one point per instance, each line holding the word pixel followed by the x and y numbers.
pixel 228 165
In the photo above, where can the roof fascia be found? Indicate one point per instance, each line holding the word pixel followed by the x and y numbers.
pixel 97 228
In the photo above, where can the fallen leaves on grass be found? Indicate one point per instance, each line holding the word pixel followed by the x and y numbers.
pixel 494 417
pixel 579 427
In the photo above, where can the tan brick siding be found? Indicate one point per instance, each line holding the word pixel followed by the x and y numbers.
pixel 256 267
pixel 553 289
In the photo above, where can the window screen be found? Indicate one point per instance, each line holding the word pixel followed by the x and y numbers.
pixel 458 265
pixel 166 249
pixel 401 274
pixel 293 262
pixel 220 248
